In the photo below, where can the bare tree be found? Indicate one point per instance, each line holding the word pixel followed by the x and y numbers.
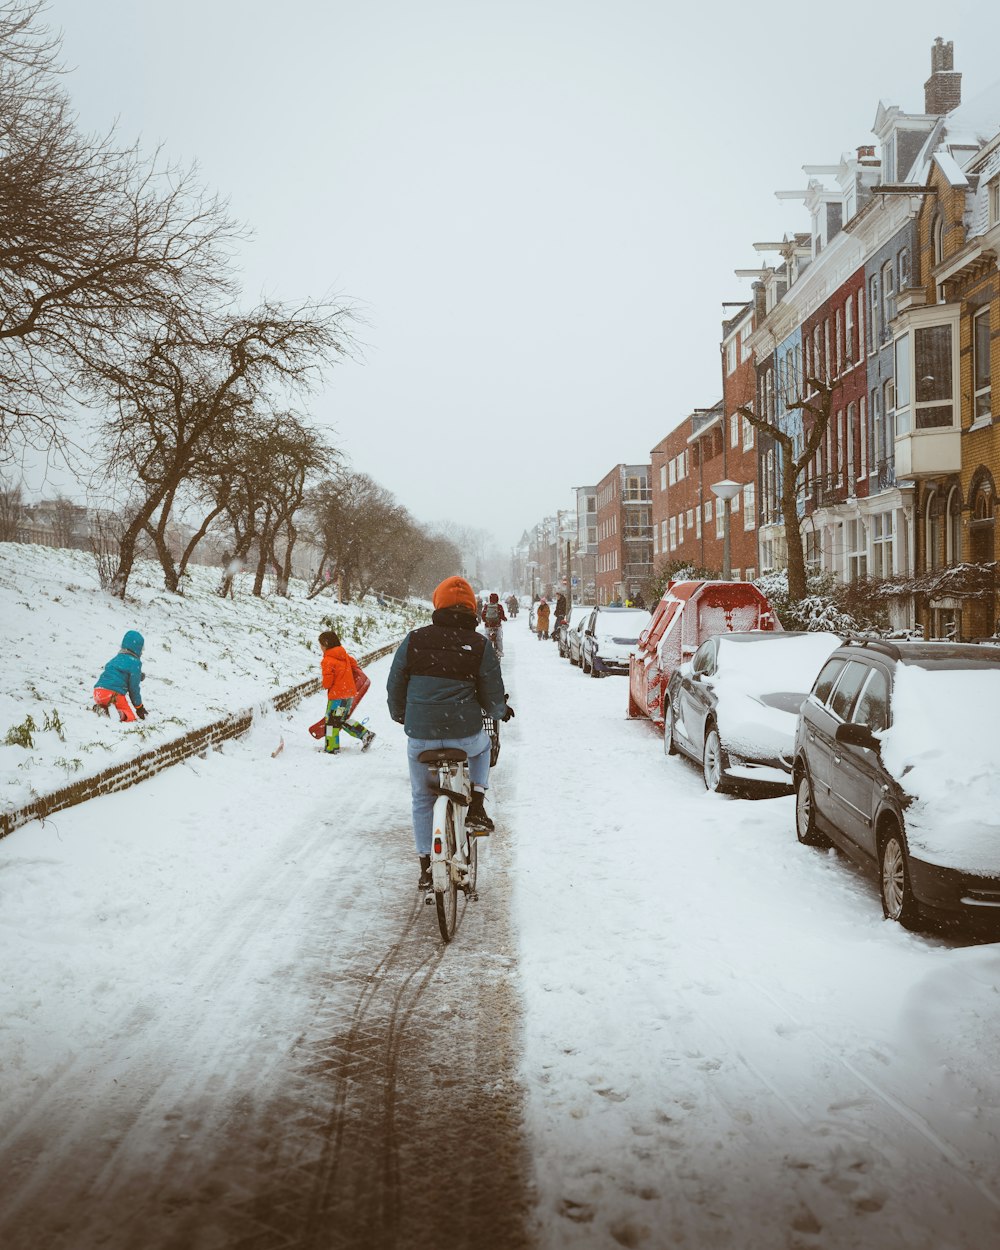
pixel 295 455
pixel 184 393
pixel 96 240
pixel 11 512
pixel 814 400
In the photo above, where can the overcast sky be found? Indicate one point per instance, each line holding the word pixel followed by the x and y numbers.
pixel 538 205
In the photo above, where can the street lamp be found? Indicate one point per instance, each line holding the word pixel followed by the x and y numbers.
pixel 726 491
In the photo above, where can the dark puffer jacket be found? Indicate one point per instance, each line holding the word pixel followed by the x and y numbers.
pixel 444 677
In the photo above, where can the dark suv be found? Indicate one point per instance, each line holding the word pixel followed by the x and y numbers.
pixel 847 738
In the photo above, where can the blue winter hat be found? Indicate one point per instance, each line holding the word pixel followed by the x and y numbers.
pixel 134 642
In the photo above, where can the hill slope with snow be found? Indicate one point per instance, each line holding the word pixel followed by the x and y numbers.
pixel 204 657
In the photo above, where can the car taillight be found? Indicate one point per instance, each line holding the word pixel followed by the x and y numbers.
pixel 437 845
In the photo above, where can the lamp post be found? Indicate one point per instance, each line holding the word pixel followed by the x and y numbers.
pixel 726 491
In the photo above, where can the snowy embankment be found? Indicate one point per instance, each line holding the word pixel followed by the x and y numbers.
pixel 204 657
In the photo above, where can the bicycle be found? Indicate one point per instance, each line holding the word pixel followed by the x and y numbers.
pixel 454 853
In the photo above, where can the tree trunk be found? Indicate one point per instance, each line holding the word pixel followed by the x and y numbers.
pixel 285 575
pixel 793 529
pixel 195 540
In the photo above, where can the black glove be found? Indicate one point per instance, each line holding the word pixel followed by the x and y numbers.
pixel 140 711
pixel 508 714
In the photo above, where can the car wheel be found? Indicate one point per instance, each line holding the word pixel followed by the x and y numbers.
pixel 669 747
pixel 712 766
pixel 805 814
pixel 898 902
pixel 593 670
pixel 583 663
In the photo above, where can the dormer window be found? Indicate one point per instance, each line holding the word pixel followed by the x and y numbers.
pixel 994 199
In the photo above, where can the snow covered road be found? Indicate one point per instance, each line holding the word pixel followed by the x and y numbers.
pixel 229 1021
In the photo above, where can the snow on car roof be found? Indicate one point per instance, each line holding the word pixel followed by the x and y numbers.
pixel 762 661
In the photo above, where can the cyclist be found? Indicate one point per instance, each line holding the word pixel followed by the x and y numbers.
pixel 493 617
pixel 444 678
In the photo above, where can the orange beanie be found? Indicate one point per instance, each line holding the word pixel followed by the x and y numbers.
pixel 455 592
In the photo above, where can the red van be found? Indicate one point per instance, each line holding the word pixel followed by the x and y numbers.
pixel 688 613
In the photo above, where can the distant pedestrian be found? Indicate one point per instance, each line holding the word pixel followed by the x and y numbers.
pixel 542 620
pixel 121 681
pixel 340 673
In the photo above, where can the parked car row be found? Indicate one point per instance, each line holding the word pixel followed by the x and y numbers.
pixel 889 746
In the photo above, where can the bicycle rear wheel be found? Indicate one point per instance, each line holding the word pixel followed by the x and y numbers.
pixel 447 899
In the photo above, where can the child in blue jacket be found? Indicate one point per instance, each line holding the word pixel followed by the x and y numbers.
pixel 121 678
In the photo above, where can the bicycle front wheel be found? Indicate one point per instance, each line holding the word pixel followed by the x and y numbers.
pixel 447 899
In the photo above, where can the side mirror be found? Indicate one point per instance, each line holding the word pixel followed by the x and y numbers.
pixel 855 735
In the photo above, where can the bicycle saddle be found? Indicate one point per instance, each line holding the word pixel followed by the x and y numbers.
pixel 442 755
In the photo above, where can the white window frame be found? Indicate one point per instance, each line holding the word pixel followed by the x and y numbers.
pixel 849 330
pixel 673 533
pixel 882 541
pixel 748 506
pixel 672 473
pixel 907 406
pixel 731 357
pixel 734 429
pixel 663 476
pixel 982 394
pixel 748 432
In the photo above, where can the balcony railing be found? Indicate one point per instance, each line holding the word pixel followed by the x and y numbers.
pixel 638 496
pixel 638 533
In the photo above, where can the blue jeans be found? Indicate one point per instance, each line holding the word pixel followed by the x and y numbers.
pixel 476 747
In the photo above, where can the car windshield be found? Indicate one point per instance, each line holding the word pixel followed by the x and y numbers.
pixel 941 748
pixel 625 623
pixel 578 614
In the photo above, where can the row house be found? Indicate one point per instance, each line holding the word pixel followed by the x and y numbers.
pixel 584 563
pixel 947 441
pixel 708 447
pixel 624 532
pixel 891 305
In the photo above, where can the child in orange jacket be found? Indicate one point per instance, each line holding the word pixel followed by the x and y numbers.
pixel 339 679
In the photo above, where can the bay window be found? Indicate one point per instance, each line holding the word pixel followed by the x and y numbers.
pixel 927 434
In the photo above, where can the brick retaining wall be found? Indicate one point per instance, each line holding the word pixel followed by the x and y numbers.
pixel 197 742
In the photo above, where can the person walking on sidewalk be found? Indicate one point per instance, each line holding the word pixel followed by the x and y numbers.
pixel 339 680
pixel 542 620
pixel 444 678
pixel 122 680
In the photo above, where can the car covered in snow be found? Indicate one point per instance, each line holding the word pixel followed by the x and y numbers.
pixel 577 614
pixel 734 706
pixel 608 637
pixel 688 613
pixel 895 763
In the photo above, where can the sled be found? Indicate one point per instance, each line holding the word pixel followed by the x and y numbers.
pixel 362 681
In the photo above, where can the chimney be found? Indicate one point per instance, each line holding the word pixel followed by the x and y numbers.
pixel 759 302
pixel 943 90
pixel 866 153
